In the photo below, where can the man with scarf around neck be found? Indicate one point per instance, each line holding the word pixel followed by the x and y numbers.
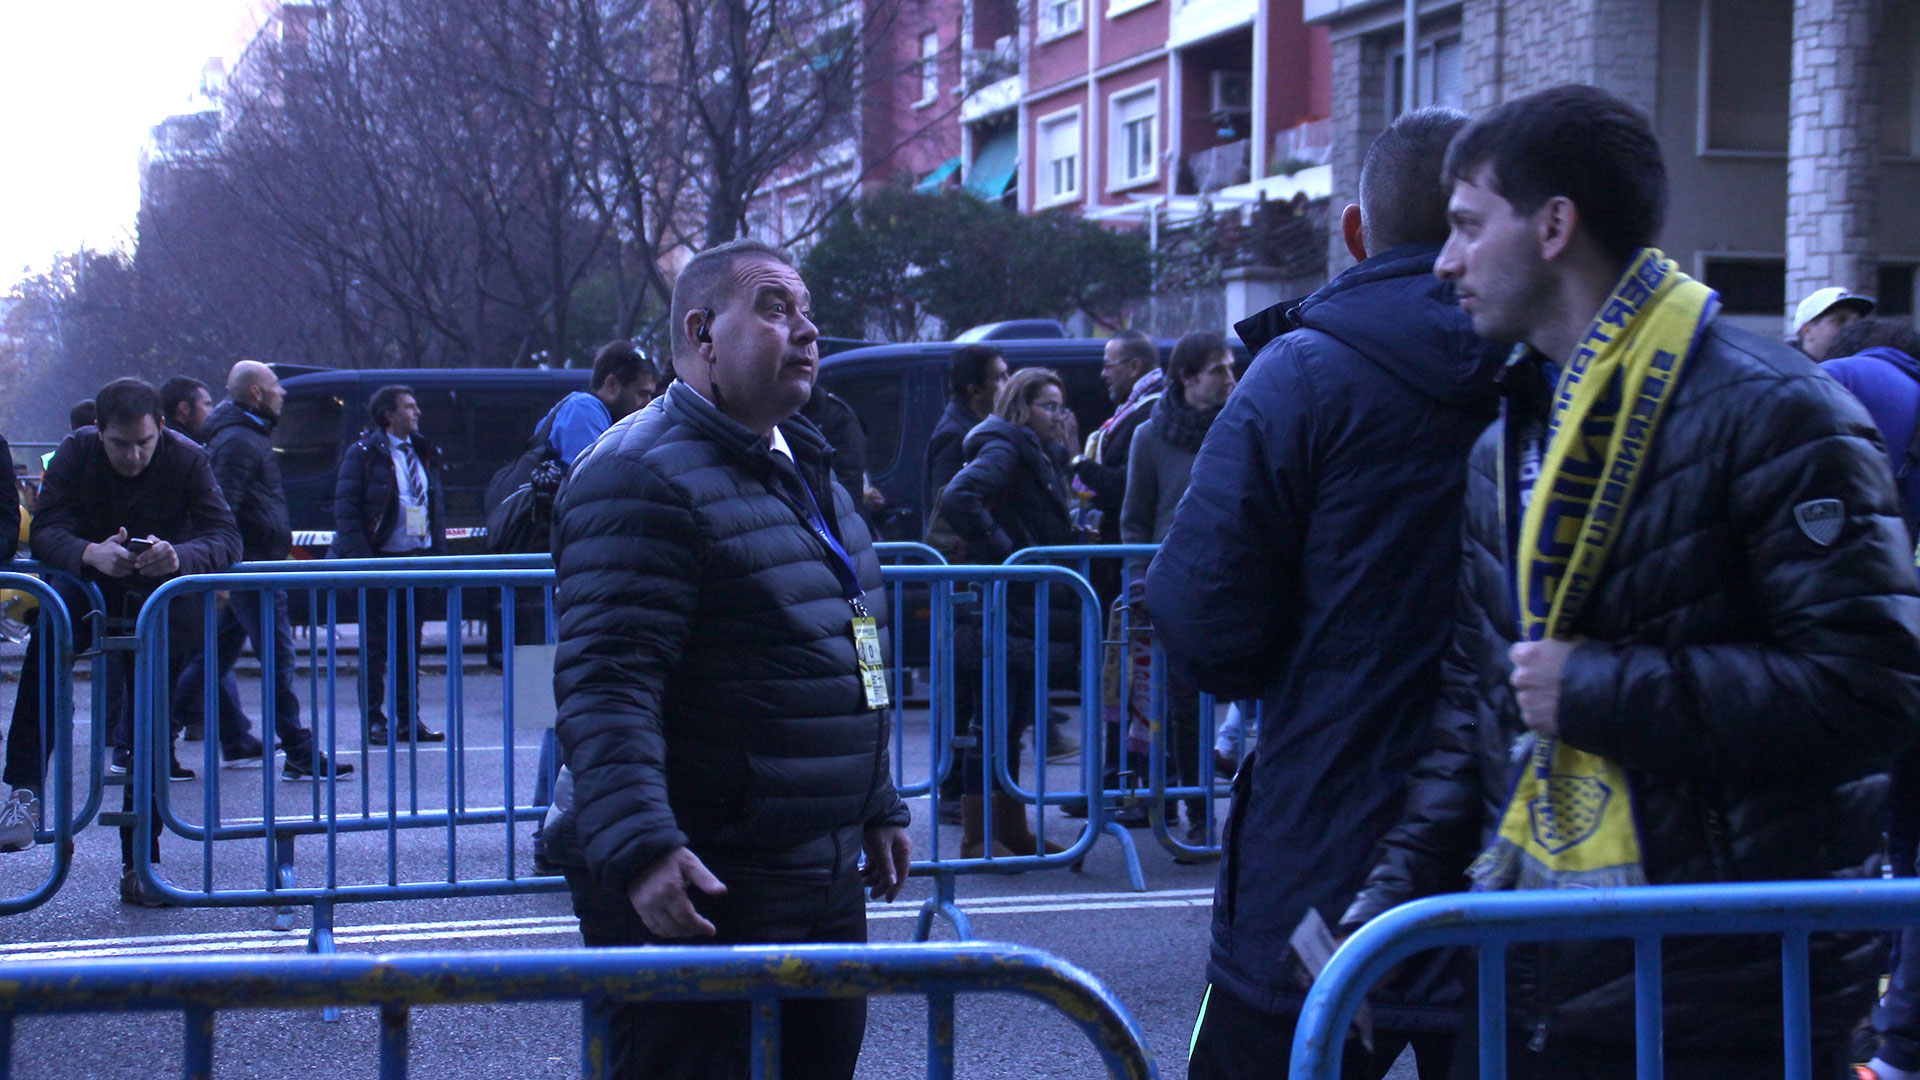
pixel 721 624
pixel 1310 566
pixel 1693 669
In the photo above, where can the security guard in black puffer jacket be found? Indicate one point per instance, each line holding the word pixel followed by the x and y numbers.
pixel 721 677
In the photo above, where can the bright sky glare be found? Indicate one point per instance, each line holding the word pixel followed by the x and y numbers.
pixel 83 81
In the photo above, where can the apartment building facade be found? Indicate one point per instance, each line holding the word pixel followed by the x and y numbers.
pixel 1791 127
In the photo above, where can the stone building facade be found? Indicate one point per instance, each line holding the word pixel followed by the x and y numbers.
pixel 1790 126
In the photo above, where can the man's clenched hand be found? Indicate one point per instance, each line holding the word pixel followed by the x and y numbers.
pixel 1537 667
pixel 888 855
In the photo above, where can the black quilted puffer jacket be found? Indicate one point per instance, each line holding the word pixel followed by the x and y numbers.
pixel 1749 672
pixel 707 686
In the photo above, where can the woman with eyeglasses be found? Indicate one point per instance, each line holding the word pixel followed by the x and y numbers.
pixel 1010 495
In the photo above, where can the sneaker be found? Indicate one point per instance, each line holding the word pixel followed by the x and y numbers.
pixel 177 772
pixel 121 760
pixel 194 732
pixel 311 765
pixel 243 755
pixel 17 817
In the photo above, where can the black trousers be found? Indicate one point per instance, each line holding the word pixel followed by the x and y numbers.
pixel 375 636
pixel 1234 1041
pixel 820 1038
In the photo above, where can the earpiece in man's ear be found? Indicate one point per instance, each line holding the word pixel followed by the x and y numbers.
pixel 704 333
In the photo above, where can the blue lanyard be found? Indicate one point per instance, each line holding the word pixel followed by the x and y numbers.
pixel 842 563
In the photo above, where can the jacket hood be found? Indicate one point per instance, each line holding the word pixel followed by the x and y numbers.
pixel 1392 310
pixel 994 427
pixel 231 413
pixel 1909 366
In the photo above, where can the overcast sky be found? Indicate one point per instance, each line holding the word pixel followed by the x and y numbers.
pixel 81 82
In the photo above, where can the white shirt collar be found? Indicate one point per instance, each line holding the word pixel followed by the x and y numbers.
pixel 396 441
pixel 780 445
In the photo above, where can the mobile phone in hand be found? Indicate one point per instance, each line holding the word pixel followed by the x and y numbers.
pixel 138 547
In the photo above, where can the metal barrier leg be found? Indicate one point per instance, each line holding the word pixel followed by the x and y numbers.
pixel 320 943
pixel 1132 854
pixel 198 1064
pixel 939 1035
pixel 596 1038
pixel 942 903
pixel 283 878
pixel 393 1041
pixel 766 1038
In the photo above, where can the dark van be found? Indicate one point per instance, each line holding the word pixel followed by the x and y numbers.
pixel 480 418
pixel 898 391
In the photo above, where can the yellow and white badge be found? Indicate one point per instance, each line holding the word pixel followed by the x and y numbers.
pixel 415 521
pixel 873 670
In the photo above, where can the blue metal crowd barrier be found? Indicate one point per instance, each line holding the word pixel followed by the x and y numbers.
pixel 336 589
pixel 1152 789
pixel 1490 922
pixel 600 979
pixel 54 827
pixel 327 811
pixel 947 586
pixel 97 643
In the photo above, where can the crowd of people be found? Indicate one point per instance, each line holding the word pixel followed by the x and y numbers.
pixel 1541 573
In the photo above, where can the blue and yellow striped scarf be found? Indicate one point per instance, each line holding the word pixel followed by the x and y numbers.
pixel 1569 821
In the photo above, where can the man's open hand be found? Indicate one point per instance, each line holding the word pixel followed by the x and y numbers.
pixel 660 897
pixel 1537 668
pixel 889 853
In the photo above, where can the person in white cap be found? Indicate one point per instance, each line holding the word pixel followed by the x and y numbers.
pixel 1823 314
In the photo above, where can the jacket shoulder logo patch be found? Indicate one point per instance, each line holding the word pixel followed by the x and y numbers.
pixel 1821 519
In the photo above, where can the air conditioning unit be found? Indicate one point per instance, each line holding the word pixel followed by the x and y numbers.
pixel 1232 92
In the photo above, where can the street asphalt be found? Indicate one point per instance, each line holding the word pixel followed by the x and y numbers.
pixel 1148 947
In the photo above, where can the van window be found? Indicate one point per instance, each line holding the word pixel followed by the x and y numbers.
pixel 875 397
pixel 308 435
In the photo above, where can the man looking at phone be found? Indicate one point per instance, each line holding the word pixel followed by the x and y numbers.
pixel 128 504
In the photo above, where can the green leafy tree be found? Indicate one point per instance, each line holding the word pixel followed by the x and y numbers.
pixel 897 261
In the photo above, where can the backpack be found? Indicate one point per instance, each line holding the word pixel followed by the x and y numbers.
pixel 519 498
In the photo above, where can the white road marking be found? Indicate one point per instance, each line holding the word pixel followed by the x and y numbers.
pixel 240 941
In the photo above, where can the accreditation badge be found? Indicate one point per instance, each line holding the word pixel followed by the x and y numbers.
pixel 873 671
pixel 416 521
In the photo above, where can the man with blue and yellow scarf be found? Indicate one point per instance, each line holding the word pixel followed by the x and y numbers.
pixel 1688 631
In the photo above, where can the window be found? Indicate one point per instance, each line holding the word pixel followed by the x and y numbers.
pixel 875 399
pixel 793 216
pixel 1894 292
pixel 1059 179
pixel 1436 75
pixel 308 437
pixel 1900 81
pixel 1748 59
pixel 929 68
pixel 1059 17
pixel 1135 117
pixel 1748 286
